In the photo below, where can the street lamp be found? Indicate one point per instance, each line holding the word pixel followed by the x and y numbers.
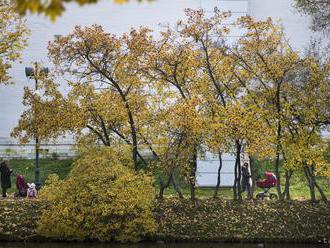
pixel 35 72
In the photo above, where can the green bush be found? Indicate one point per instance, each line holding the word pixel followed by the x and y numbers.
pixel 103 198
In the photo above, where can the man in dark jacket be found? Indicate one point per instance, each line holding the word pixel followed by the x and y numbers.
pixel 246 178
pixel 5 178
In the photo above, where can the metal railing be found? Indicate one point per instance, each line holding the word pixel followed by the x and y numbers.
pixel 27 151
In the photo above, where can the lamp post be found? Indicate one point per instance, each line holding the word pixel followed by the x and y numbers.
pixel 35 72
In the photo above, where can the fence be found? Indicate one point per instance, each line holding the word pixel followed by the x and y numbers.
pixel 27 151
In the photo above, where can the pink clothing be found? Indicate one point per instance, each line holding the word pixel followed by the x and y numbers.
pixel 21 184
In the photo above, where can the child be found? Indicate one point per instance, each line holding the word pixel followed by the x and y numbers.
pixel 31 191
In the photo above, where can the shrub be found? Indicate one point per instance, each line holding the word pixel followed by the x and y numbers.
pixel 55 156
pixel 102 199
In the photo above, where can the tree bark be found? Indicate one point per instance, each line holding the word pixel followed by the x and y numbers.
pixel 310 183
pixel 219 176
pixel 239 168
pixel 193 177
pixel 237 184
pixel 286 192
pixel 252 178
pixel 323 196
pixel 310 172
pixel 278 140
pixel 163 186
pixel 177 188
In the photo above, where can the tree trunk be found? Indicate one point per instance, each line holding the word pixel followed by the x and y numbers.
pixel 324 198
pixel 253 186
pixel 163 186
pixel 193 178
pixel 237 184
pixel 135 151
pixel 315 184
pixel 286 192
pixel 277 173
pixel 310 183
pixel 177 188
pixel 133 129
pixel 278 140
pixel 219 176
pixel 239 169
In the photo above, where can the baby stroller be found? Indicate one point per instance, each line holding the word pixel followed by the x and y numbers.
pixel 266 184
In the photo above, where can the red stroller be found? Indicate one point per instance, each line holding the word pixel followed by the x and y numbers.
pixel 266 184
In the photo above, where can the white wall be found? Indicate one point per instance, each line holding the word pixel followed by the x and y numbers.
pixel 207 170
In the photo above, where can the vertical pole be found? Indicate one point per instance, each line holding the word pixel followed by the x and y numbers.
pixel 37 175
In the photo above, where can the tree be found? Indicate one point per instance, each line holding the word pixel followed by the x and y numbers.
pixel 304 143
pixel 319 11
pixel 172 69
pixel 233 125
pixel 12 38
pixel 109 100
pixel 107 95
pixel 188 92
pixel 263 63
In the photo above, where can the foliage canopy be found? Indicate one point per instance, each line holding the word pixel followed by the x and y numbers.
pixel 13 33
pixel 189 91
pixel 319 11
pixel 54 8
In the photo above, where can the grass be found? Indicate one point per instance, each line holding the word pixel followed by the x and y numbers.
pixel 26 167
pixel 299 188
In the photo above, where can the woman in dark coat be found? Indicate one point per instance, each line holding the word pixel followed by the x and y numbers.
pixel 5 178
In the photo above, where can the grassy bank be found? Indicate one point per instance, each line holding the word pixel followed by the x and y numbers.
pixel 299 188
pixel 18 219
pixel 227 220
pixel 27 167
pixel 207 220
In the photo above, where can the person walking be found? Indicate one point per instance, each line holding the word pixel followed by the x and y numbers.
pixel 246 179
pixel 5 178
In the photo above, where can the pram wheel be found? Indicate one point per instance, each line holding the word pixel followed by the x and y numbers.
pixel 260 196
pixel 273 196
